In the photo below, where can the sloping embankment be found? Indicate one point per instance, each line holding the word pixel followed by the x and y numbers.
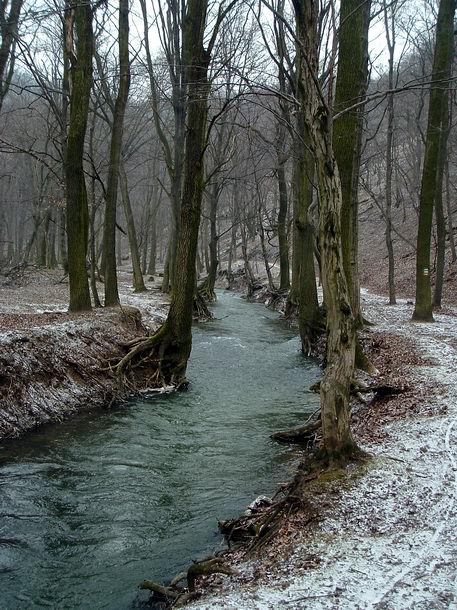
pixel 53 365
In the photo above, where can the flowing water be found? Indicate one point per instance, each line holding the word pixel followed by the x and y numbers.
pixel 93 506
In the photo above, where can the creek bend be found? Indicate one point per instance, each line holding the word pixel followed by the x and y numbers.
pixel 93 506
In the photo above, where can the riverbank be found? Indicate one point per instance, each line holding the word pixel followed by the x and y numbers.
pixel 106 499
pixel 54 364
pixel 384 533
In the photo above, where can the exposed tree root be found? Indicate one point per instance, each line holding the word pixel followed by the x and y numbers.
pixel 151 361
pixel 291 311
pixel 362 362
pixel 201 312
pixel 302 435
pixel 311 333
pixel 175 595
pixel 207 292
pixel 253 287
pixel 306 434
pixel 255 529
pixel 309 434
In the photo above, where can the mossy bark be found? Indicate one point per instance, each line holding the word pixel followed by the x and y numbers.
pixel 439 209
pixel 309 318
pixel 350 88
pixel 77 215
pixel 109 233
pixel 442 62
pixel 170 347
pixel 138 282
pixel 338 441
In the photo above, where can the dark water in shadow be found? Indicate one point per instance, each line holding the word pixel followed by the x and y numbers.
pixel 91 507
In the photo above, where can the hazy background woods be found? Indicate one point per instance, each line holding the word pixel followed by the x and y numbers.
pixel 248 166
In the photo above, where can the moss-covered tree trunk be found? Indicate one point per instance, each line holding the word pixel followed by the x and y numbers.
pixel 439 209
pixel 207 287
pixel 179 322
pixel 9 23
pixel 170 347
pixel 309 317
pixel 389 24
pixel 442 62
pixel 153 238
pixel 449 212
pixel 335 385
pixel 77 213
pixel 138 282
pixel 109 233
pixel 284 267
pixel 350 88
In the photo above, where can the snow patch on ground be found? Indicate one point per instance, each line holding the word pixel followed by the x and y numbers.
pixel 388 539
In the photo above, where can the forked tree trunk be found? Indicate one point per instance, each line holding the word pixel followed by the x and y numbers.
pixel 442 62
pixel 339 443
pixel 171 345
pixel 77 209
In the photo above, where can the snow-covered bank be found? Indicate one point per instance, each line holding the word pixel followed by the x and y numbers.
pixel 54 364
pixel 387 534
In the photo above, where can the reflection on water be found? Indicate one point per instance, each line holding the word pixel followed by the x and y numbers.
pixel 93 506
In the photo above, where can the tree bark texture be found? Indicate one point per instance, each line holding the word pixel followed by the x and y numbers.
pixel 439 209
pixel 339 443
pixel 442 62
pixel 8 29
pixel 351 84
pixel 77 208
pixel 109 234
pixel 138 282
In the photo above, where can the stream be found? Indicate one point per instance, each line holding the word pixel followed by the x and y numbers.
pixel 93 506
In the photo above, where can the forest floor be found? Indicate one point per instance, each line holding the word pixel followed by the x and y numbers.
pixel 384 534
pixel 39 291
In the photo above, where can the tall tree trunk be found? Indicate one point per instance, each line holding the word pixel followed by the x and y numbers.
pixel 390 37
pixel 294 292
pixel 207 287
pixel 179 321
pixel 8 29
pixel 442 62
pixel 172 343
pixel 303 174
pixel 439 209
pixel 351 84
pixel 51 261
pixel 266 263
pixel 233 249
pixel 93 212
pixel 153 237
pixel 335 385
pixel 138 282
pixel 110 272
pixel 284 271
pixel 309 315
pixel 449 214
pixel 77 209
pixel 173 154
